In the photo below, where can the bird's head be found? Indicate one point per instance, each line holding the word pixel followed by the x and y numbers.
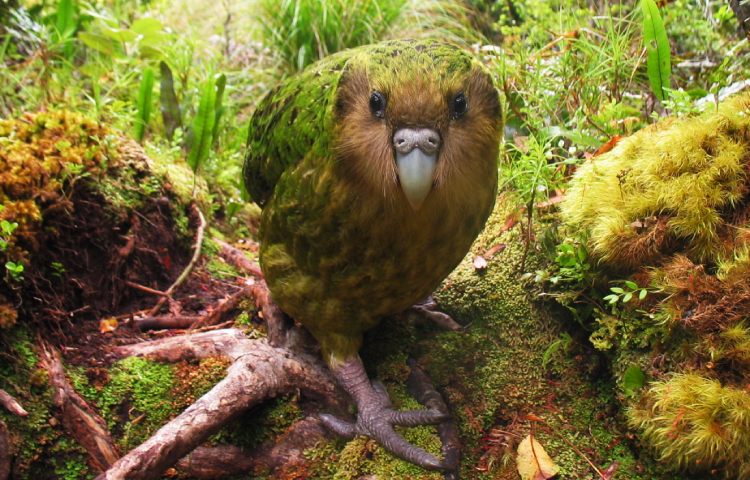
pixel 417 117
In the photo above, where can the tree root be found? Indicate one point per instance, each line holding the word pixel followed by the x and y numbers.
pixel 286 452
pixel 236 257
pixel 189 268
pixel 259 371
pixel 11 404
pixel 79 420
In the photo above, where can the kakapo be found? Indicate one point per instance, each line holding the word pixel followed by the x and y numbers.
pixel 376 169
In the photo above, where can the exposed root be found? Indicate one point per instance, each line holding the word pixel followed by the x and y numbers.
pixel 189 268
pixel 11 404
pixel 165 322
pixel 259 371
pixel 236 257
pixel 226 460
pixel 79 420
pixel 225 306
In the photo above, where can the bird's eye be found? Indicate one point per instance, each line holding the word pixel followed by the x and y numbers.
pixel 377 104
pixel 459 105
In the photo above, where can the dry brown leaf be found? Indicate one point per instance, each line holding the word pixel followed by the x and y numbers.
pixel 533 462
pixel 108 325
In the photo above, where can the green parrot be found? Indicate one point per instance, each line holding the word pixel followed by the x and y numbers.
pixel 376 169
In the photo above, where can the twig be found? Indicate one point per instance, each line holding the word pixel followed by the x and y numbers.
pixel 224 306
pixel 11 405
pixel 186 272
pixel 144 288
pixel 236 257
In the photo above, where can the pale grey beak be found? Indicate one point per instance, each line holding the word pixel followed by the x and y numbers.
pixel 416 159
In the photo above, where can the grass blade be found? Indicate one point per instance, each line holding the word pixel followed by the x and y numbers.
pixel 203 126
pixel 170 106
pixel 658 62
pixel 221 84
pixel 144 103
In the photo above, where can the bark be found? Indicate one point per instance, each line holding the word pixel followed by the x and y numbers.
pixel 259 371
pixel 79 420
pixel 226 460
pixel 236 257
pixel 11 404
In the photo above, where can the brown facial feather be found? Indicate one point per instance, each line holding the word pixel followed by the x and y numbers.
pixel 364 142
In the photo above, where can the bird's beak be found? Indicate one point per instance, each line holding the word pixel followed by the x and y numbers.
pixel 415 172
pixel 416 159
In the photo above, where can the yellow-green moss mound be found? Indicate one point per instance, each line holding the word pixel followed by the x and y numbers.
pixel 678 185
pixel 697 424
pixel 669 208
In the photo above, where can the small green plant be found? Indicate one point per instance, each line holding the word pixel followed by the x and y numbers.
pixel 658 61
pixel 204 125
pixel 15 270
pixel 626 293
pixel 144 103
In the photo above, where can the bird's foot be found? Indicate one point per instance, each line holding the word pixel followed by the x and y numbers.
pixel 376 417
pixel 428 310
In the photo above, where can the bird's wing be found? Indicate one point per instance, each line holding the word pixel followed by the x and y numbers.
pixel 291 120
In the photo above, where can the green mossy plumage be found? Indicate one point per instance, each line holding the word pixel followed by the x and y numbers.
pixel 340 247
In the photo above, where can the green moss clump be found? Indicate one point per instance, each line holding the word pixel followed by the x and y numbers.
pixel 137 399
pixel 674 183
pixel 668 209
pixel 697 424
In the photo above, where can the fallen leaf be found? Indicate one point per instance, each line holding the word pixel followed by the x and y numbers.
pixel 480 263
pixel 608 146
pixel 533 462
pixel 492 251
pixel 108 325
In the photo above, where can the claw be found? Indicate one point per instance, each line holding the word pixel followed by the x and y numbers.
pixel 376 418
pixel 340 427
pixel 428 310
pixel 414 418
pixel 382 392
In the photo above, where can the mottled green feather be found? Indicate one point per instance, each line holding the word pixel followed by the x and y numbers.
pixel 337 256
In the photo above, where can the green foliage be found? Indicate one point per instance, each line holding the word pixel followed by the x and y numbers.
pixel 144 103
pixel 307 30
pixel 170 106
pixel 206 121
pixel 626 293
pixel 658 62
pixel 633 380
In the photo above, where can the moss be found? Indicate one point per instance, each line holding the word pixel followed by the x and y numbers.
pixel 697 424
pixel 668 207
pixel 136 400
pixel 668 184
pixel 193 381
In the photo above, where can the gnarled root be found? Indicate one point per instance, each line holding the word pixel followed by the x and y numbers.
pixel 259 371
pixel 79 420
